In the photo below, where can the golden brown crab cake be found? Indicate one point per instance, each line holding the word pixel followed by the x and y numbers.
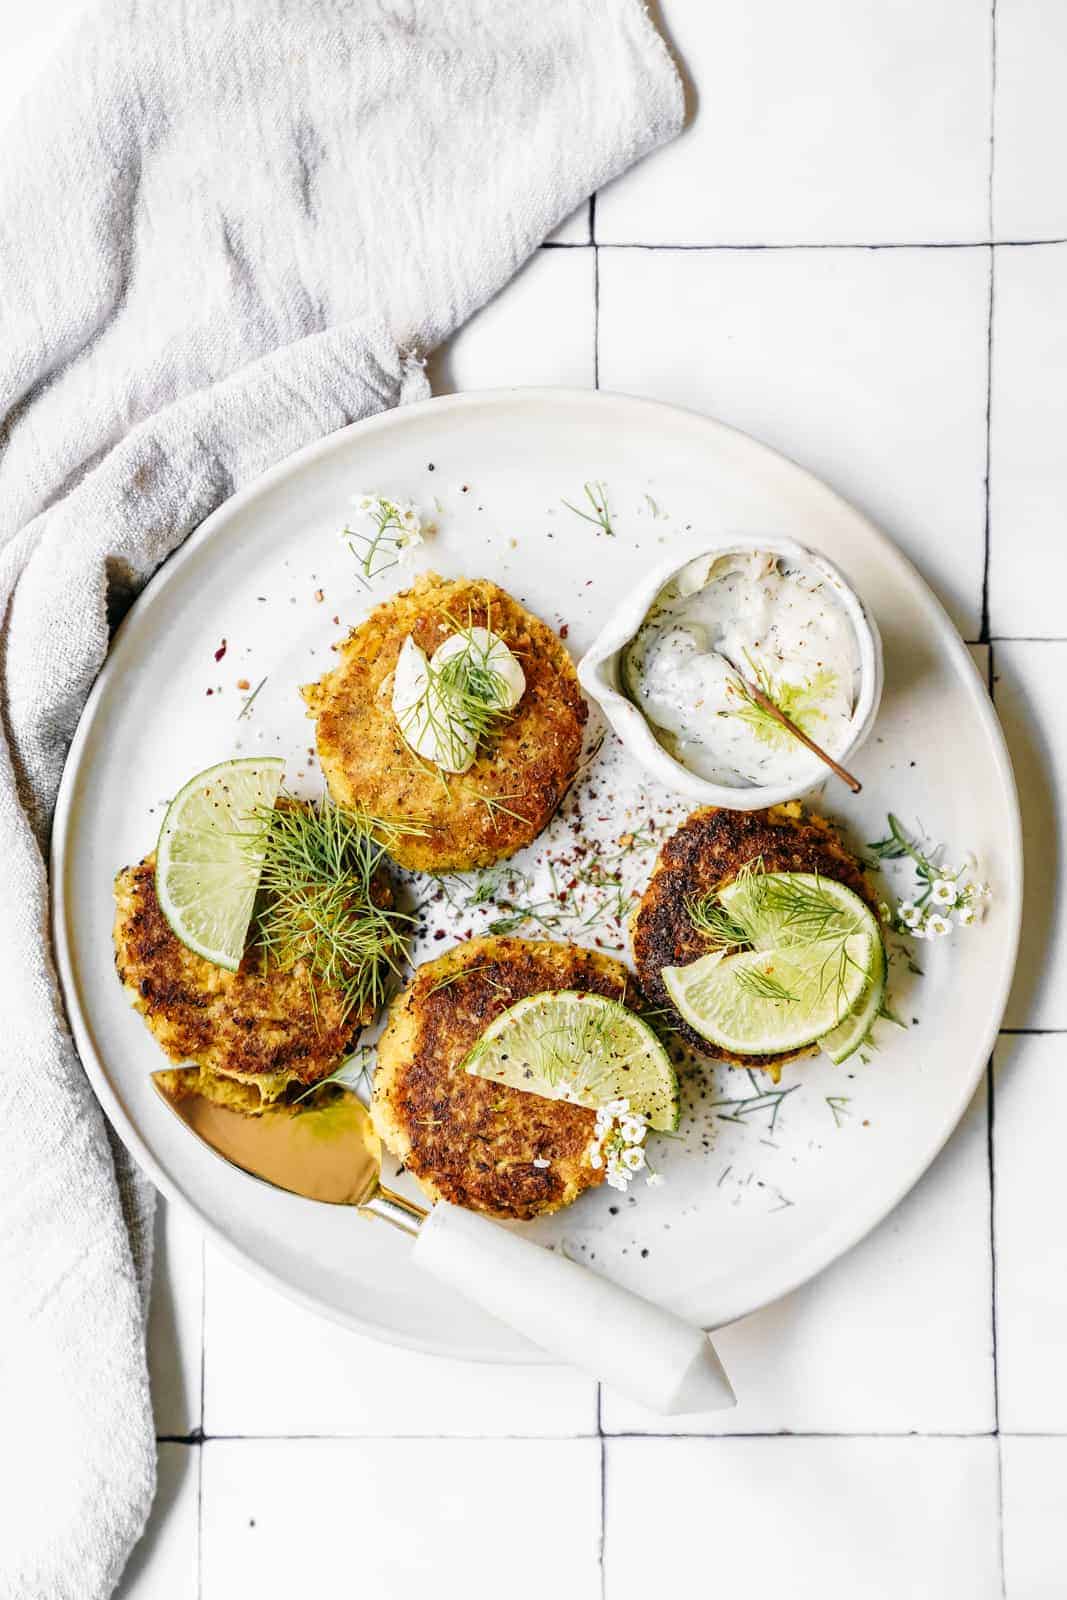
pixel 477 1143
pixel 253 1033
pixel 503 801
pixel 705 854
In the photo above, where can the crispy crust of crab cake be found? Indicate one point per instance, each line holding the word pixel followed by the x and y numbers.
pixel 505 799
pixel 466 1139
pixel 251 1033
pixel 705 854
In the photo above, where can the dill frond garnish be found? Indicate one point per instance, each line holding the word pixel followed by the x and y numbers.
pixel 769 1100
pixel 838 1104
pixel 764 986
pixel 600 514
pixel 396 528
pixel 247 704
pixel 321 899
pixel 801 702
pixel 711 918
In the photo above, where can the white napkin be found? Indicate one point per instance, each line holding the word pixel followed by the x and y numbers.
pixel 227 227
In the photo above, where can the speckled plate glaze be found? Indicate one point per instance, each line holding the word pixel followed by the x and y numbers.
pixel 758 1198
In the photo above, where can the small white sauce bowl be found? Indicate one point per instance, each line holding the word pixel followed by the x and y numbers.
pixel 600 674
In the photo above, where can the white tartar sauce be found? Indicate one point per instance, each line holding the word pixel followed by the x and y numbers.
pixel 783 628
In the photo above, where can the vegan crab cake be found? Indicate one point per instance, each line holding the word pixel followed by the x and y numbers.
pixel 705 854
pixel 253 1033
pixel 466 1139
pixel 524 758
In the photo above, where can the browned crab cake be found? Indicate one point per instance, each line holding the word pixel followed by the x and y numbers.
pixel 466 1139
pixel 502 802
pixel 705 854
pixel 253 1033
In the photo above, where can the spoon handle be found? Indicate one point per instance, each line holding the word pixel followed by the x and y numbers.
pixel 641 1349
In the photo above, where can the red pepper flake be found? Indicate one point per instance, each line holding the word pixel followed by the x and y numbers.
pixel 243 683
pixel 221 651
pixel 336 622
pixel 566 628
pixel 439 934
pixel 209 691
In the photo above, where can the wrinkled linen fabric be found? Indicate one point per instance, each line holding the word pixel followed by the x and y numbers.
pixel 227 227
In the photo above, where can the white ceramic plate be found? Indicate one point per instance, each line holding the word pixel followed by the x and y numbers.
pixel 748 1210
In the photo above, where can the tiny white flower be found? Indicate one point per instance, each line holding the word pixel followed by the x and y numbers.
pixel 566 1091
pixel 943 892
pixel 365 502
pixel 633 1158
pixel 983 891
pixel 539 1161
pixel 596 1160
pixel 937 925
pixel 633 1130
pixel 655 1179
pixel 409 518
pixel 910 915
pixel 966 915
pixel 618 1180
pixel 617 1108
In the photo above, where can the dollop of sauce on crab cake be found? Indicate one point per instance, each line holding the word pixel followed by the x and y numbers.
pixel 521 767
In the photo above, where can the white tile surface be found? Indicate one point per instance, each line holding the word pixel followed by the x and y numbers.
pixel 538 330
pixel 1028 683
pixel 1035 1518
pixel 175 1329
pixel 165 1564
pixel 1028 425
pixel 1031 119
pixel 868 367
pixel 400 1521
pixel 1031 1232
pixel 342 1384
pixel 894 1338
pixel 829 122
pixel 804 1519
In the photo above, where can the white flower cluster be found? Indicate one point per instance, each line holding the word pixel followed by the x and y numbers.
pixel 618 1145
pixel 951 896
pixel 399 528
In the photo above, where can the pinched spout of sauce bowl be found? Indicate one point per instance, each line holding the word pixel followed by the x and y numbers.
pixel 600 674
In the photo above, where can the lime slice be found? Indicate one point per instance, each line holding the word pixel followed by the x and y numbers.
pixel 208 861
pixel 796 908
pixel 583 1048
pixel 846 1039
pixel 791 909
pixel 763 1002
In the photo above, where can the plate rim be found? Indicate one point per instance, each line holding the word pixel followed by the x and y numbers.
pixel 816 1257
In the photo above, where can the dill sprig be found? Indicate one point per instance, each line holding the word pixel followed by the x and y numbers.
pixel 711 918
pixel 800 702
pixel 600 514
pixel 321 898
pixel 764 986
pixel 395 528
pixel 838 1104
pixel 769 1100
pixel 247 704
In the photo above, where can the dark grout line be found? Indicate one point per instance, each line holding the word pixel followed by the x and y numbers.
pixel 833 244
pixel 1028 1033
pixel 579 1438
pixel 200 1526
pixel 1027 638
pixel 988 443
pixel 596 292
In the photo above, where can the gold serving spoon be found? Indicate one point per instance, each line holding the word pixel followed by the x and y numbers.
pixel 328 1150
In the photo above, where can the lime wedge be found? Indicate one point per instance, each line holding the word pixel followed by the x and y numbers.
pixel 762 1002
pixel 580 1047
pixel 844 1040
pixel 210 853
pixel 790 909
